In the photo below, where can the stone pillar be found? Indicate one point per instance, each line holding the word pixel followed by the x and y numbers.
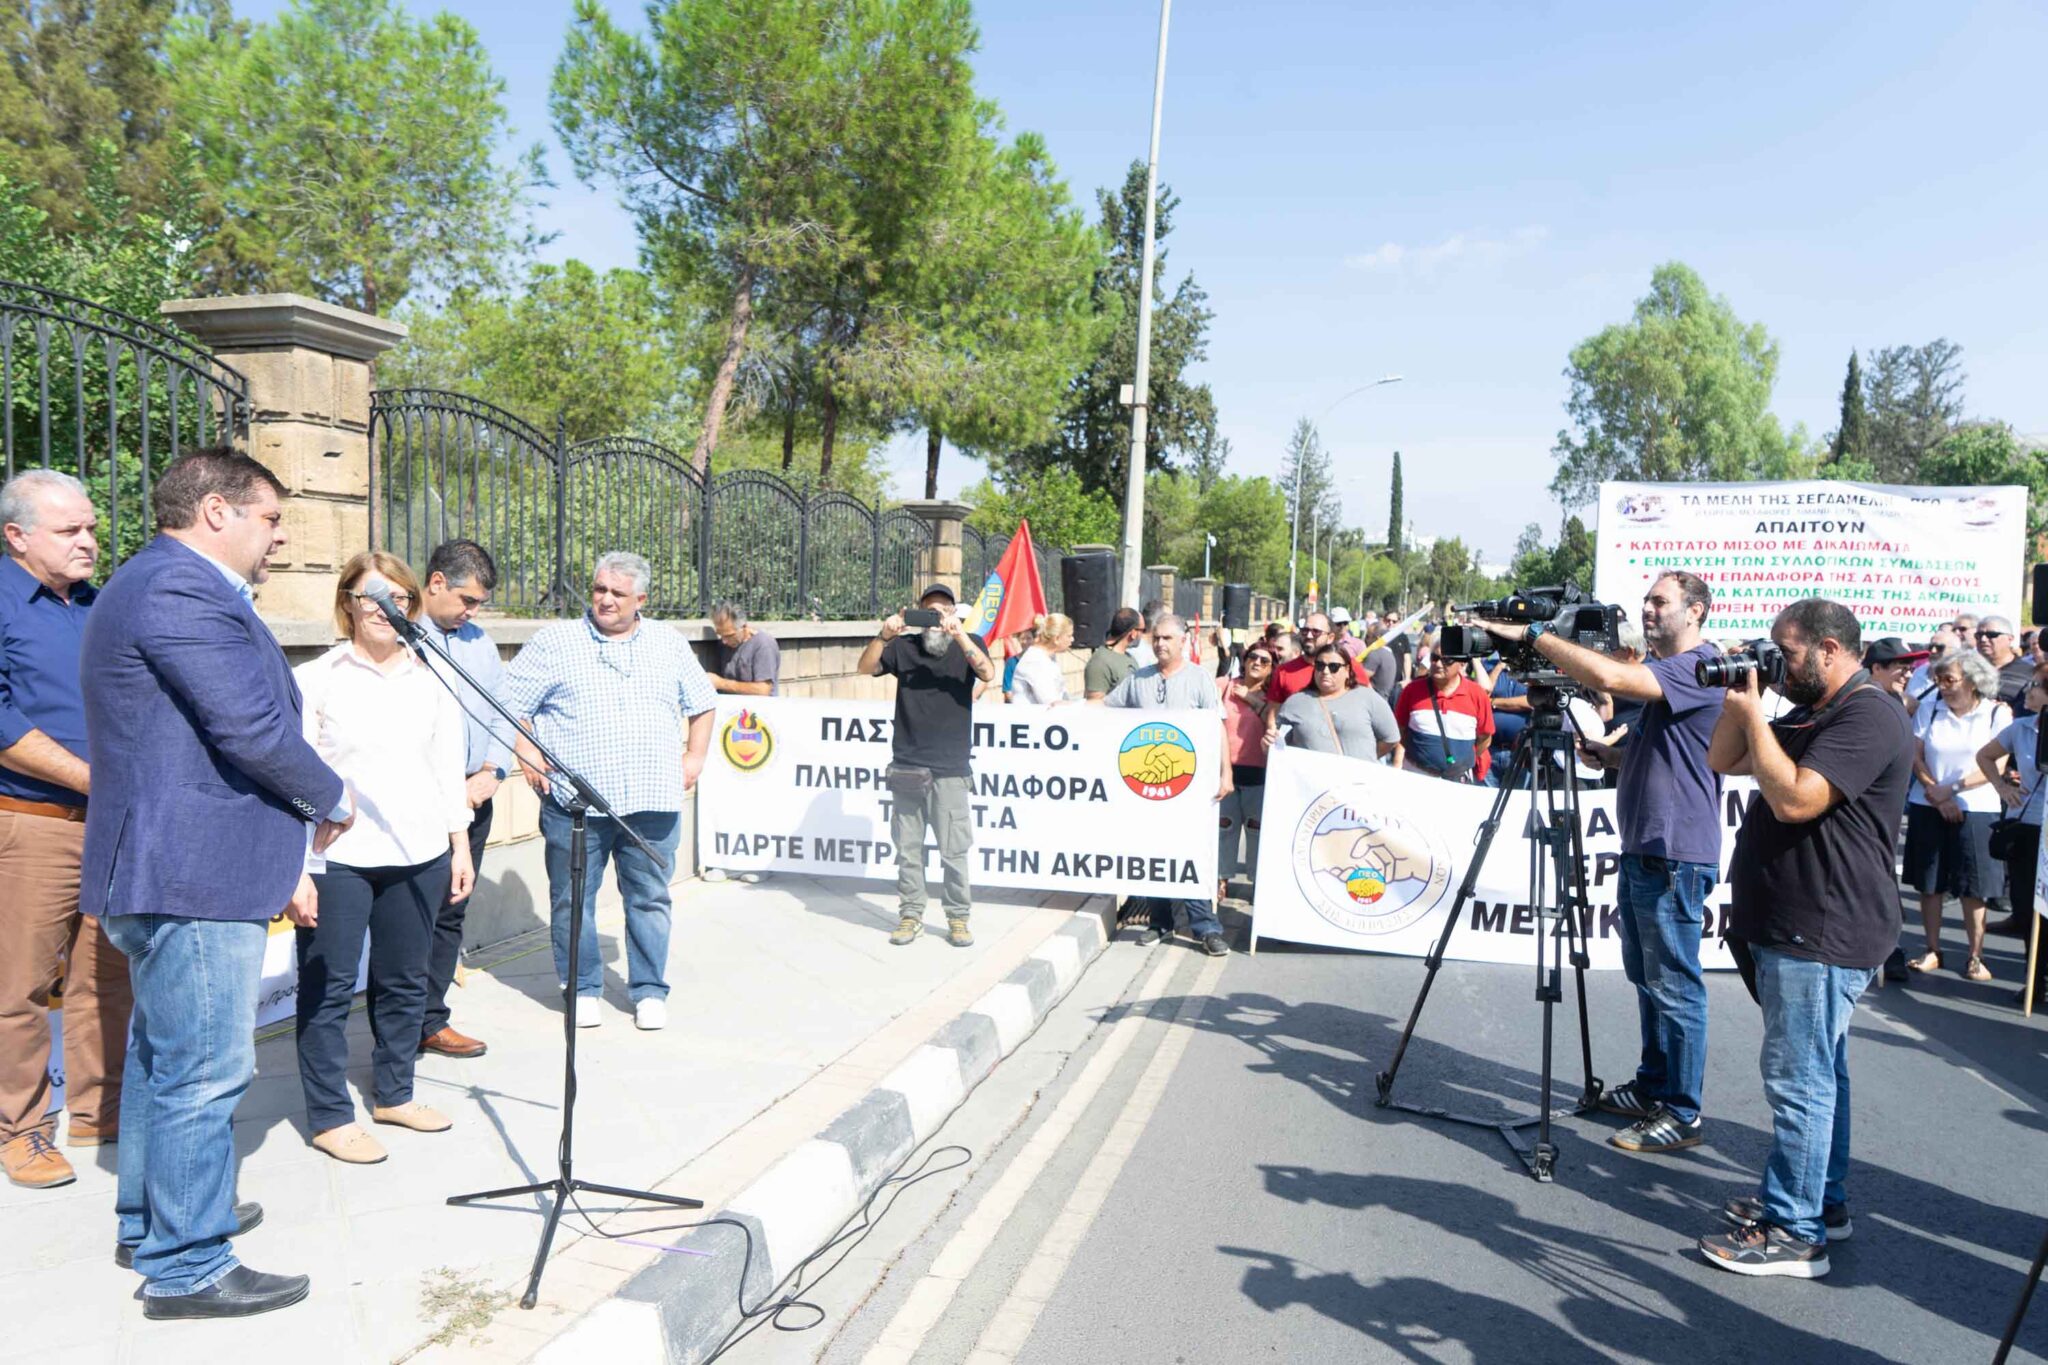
pixel 941 561
pixel 1212 600
pixel 1167 573
pixel 308 366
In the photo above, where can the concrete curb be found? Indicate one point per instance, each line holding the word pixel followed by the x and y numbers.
pixel 680 1307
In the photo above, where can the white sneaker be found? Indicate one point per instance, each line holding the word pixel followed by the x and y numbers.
pixel 750 878
pixel 651 1013
pixel 714 874
pixel 589 1011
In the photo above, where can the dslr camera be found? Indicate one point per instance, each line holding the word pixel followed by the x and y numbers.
pixel 1567 612
pixel 1760 657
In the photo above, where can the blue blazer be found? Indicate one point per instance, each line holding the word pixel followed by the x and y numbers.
pixel 202 786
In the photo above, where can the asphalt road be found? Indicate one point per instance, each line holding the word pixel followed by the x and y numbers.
pixel 1223 1188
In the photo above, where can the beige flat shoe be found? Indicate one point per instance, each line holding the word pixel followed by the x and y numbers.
pixel 351 1144
pixel 1975 970
pixel 421 1118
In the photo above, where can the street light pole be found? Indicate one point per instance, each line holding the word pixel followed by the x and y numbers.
pixel 1141 387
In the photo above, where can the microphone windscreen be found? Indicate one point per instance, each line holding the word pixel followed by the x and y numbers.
pixel 374 583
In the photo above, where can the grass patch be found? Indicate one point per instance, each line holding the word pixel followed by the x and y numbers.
pixel 458 1306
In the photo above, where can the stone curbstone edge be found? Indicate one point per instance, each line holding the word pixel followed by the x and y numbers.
pixel 684 1304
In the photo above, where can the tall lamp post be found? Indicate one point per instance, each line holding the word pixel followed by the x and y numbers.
pixel 1294 537
pixel 1141 387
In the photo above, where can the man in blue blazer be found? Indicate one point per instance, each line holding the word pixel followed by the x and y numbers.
pixel 203 797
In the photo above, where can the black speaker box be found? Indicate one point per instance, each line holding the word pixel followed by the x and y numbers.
pixel 2041 594
pixel 1087 582
pixel 1237 606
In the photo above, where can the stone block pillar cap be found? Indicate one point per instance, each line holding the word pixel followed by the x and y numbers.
pixel 939 509
pixel 260 321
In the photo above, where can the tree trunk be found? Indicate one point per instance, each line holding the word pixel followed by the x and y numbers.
pixel 728 368
pixel 789 435
pixel 831 430
pixel 932 442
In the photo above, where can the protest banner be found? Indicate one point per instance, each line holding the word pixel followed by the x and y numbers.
pixel 1065 798
pixel 1905 560
pixel 1356 855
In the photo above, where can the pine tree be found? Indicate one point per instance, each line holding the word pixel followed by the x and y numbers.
pixel 1851 438
pixel 1394 509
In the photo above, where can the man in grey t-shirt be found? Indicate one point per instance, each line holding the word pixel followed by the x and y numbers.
pixel 749 660
pixel 1174 684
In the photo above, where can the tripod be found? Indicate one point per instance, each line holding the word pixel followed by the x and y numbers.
pixel 564 1184
pixel 1543 752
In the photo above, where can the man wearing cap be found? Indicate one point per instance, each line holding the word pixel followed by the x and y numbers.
pixel 937 669
pixel 1340 628
pixel 1891 663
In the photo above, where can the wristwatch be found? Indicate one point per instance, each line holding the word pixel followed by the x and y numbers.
pixel 1536 628
pixel 499 773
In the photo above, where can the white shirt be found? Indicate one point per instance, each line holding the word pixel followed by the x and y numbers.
pixel 396 738
pixel 1038 681
pixel 1949 745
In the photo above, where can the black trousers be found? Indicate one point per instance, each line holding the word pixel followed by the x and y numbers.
pixel 447 950
pixel 395 908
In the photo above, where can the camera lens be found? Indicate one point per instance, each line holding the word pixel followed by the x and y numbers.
pixel 1725 671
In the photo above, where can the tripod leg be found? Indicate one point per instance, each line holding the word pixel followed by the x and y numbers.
pixel 504 1193
pixel 547 1240
pixel 1384 1082
pixel 676 1201
pixel 2019 1310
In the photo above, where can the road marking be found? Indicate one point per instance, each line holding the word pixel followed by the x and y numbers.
pixel 1015 1320
pixel 931 1295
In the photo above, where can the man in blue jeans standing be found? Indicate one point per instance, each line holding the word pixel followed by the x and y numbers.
pixel 1669 804
pixel 1811 920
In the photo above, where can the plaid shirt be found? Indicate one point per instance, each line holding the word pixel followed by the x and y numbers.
pixel 613 709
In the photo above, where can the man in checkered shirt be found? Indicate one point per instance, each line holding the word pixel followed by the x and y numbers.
pixel 613 694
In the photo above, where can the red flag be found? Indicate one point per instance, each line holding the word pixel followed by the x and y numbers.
pixel 1013 595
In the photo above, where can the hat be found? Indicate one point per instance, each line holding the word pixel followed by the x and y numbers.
pixel 1892 650
pixel 1339 616
pixel 940 590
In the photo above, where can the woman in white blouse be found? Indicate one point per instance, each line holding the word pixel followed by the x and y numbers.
pixel 1952 807
pixel 385 723
pixel 1039 681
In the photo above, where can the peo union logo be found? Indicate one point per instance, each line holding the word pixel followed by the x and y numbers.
pixel 1364 870
pixel 1157 761
pixel 747 742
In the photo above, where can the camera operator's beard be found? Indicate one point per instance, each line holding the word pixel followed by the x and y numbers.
pixel 1660 638
pixel 933 640
pixel 1807 686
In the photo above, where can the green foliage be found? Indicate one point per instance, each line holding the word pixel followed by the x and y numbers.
pixel 1305 477
pixel 593 348
pixel 1248 517
pixel 1092 434
pixel 1852 437
pixel 1396 528
pixel 1063 512
pixel 1680 392
pixel 1989 453
pixel 350 152
pixel 1914 395
pixel 1448 572
pixel 1569 561
pixel 1212 460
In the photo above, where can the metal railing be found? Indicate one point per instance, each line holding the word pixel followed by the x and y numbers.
pixel 108 398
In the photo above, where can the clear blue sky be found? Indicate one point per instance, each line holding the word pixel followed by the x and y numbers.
pixel 1460 192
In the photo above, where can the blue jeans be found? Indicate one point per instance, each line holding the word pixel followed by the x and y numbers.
pixel 1805 1062
pixel 1663 915
pixel 1201 915
pixel 643 886
pixel 190 1057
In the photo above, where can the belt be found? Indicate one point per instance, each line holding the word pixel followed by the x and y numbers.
pixel 48 809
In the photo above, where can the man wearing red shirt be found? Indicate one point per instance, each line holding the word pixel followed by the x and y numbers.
pixel 1296 674
pixel 1446 723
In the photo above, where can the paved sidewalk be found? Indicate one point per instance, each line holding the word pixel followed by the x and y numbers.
pixel 786 1001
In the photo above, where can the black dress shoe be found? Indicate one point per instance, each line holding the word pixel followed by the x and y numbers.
pixel 246 1216
pixel 240 1293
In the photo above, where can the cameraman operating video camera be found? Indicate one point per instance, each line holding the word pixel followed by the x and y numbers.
pixel 1814 911
pixel 1669 806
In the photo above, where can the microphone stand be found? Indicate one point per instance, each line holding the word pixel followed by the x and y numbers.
pixel 564 1184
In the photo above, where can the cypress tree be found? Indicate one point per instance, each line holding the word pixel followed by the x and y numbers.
pixel 1852 436
pixel 1394 509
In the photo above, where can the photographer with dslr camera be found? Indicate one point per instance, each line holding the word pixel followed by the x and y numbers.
pixel 1669 807
pixel 1811 915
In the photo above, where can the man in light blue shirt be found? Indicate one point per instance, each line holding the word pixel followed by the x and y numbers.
pixel 614 695
pixel 459 579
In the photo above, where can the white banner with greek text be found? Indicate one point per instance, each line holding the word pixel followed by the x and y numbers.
pixel 1064 798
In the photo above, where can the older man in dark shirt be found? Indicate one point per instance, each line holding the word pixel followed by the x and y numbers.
pixel 48 521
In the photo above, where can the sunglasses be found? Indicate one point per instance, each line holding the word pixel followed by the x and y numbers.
pixel 1265 659
pixel 1991 634
pixel 1330 668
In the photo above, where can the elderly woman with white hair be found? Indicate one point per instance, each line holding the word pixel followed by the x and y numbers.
pixel 624 701
pixel 1953 806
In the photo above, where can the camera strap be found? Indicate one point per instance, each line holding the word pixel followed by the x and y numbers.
pixel 1451 766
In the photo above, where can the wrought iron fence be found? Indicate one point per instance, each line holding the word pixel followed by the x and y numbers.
pixel 445 465
pixel 1187 598
pixel 109 399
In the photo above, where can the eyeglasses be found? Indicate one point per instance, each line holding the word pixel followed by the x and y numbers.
pixel 402 600
pixel 1265 659
pixel 1330 668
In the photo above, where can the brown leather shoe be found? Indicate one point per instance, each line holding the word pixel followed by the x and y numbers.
pixel 33 1162
pixel 449 1043
pixel 90 1134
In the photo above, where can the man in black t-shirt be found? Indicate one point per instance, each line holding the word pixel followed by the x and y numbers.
pixel 936 669
pixel 1813 913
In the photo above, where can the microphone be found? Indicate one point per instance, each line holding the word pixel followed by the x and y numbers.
pixel 377 588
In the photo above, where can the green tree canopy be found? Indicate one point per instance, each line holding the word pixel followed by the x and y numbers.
pixel 1914 397
pixel 1851 440
pixel 349 152
pixel 1396 528
pixel 1680 392
pixel 1063 512
pixel 1990 453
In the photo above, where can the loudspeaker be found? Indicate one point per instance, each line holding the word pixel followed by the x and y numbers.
pixel 1088 584
pixel 2041 594
pixel 1237 606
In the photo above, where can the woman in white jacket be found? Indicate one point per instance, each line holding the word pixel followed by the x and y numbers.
pixel 1039 681
pixel 385 723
